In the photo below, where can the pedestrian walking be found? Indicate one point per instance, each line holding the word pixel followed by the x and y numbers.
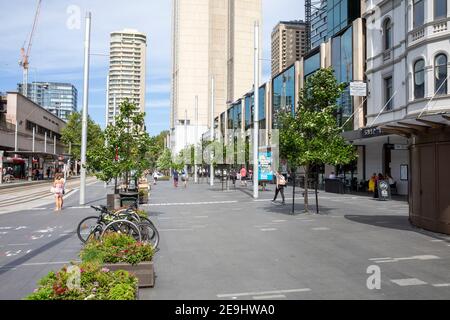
pixel 175 178
pixel 155 177
pixel 184 178
pixel 243 174
pixel 58 190
pixel 281 183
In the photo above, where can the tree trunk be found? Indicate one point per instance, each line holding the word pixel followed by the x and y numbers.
pixel 316 183
pixel 306 188
pixel 293 192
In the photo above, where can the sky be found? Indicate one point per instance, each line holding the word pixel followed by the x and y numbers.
pixel 58 46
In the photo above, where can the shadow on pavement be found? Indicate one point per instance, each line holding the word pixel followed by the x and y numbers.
pixel 393 222
pixel 298 209
pixel 34 253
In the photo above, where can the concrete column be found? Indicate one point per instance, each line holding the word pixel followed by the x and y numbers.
pixel 30 168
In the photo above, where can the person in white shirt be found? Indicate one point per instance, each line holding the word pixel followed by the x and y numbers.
pixel 332 176
pixel 155 177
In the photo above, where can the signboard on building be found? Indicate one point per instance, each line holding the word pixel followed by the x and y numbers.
pixel 371 132
pixel 358 89
pixel 401 147
pixel 265 165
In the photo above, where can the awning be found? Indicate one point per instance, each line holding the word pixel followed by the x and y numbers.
pixel 406 127
pixel 27 154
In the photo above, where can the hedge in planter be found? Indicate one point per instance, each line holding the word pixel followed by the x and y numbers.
pixel 96 283
pixel 121 252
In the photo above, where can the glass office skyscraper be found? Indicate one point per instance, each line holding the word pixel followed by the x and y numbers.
pixel 58 98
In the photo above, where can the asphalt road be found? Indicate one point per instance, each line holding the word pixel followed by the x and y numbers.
pixel 223 245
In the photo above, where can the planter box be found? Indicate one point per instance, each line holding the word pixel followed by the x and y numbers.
pixel 144 198
pixel 144 271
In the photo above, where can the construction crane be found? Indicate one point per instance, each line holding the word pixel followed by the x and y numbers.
pixel 25 54
pixel 311 6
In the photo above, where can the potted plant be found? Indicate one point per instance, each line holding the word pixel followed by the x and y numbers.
pixel 87 281
pixel 122 252
pixel 143 195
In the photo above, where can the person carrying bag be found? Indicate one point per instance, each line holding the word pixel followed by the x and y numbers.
pixel 281 183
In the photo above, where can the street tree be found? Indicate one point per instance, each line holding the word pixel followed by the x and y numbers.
pixel 157 145
pixel 311 136
pixel 164 162
pixel 71 135
pixel 126 148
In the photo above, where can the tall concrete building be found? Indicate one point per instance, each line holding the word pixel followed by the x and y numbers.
pixel 211 38
pixel 127 69
pixel 58 98
pixel 289 44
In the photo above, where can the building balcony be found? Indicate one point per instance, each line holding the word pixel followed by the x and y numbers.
pixel 428 31
pixel 387 55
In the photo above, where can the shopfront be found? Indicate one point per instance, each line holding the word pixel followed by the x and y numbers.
pixel 379 151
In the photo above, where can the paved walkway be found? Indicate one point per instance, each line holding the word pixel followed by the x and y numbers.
pixel 225 245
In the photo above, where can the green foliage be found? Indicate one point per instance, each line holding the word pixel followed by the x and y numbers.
pixel 312 135
pixel 157 145
pixel 71 135
pixel 128 140
pixel 95 284
pixel 117 248
pixel 164 162
pixel 142 213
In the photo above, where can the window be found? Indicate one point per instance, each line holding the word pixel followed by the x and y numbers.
pixel 440 9
pixel 388 93
pixel 440 74
pixel 387 28
pixel 419 13
pixel 419 79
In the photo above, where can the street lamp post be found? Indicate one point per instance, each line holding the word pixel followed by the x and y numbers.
pixel 256 115
pixel 196 137
pixel 212 135
pixel 85 109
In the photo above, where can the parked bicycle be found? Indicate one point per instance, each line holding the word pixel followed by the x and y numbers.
pixel 126 221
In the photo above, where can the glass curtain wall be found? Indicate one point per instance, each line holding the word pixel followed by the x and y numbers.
pixel 342 62
pixel 250 109
pixel 283 96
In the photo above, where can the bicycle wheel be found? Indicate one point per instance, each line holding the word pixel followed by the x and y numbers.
pixel 89 228
pixel 149 232
pixel 128 214
pixel 123 227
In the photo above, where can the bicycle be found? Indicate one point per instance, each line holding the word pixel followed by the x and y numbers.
pixel 125 221
pixel 148 230
pixel 94 227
